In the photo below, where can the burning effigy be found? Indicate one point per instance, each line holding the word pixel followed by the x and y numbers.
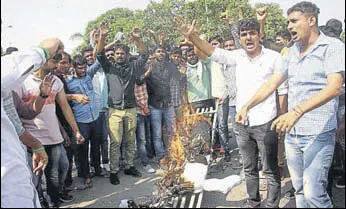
pixel 185 167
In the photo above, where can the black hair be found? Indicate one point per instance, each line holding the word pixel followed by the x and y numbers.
pixel 11 49
pixel 305 7
pixel 249 24
pixel 215 37
pixel 87 49
pixel 67 55
pixel 123 47
pixel 336 26
pixel 190 50
pixel 109 49
pixel 229 37
pixel 79 60
pixel 284 34
pixel 158 47
pixel 328 31
pixel 177 50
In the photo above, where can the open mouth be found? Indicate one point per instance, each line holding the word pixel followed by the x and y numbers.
pixel 294 35
pixel 250 45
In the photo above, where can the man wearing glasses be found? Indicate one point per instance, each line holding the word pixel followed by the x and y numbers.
pixel 45 126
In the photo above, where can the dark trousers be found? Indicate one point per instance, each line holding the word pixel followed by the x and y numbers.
pixel 251 141
pixel 71 154
pixel 104 139
pixel 222 124
pixel 56 170
pixel 91 132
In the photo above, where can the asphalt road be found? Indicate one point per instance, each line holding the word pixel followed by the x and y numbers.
pixel 105 195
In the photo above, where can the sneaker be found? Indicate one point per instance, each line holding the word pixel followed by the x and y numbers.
pixel 149 169
pixel 65 197
pixel 102 172
pixel 133 172
pixel 106 166
pixel 113 178
pixel 290 194
pixel 340 184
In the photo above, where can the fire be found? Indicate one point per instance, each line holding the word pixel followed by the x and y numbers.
pixel 180 147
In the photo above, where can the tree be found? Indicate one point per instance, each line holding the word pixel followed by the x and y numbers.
pixel 159 18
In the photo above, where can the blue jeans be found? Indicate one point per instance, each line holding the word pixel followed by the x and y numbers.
pixel 57 162
pixel 141 136
pixel 158 116
pixel 309 159
pixel 91 132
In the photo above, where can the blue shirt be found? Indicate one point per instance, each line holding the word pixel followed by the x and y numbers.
pixel 307 76
pixel 84 113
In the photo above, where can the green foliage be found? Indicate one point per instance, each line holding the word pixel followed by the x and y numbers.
pixel 275 20
pixel 159 18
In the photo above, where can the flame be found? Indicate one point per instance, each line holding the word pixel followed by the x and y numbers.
pixel 173 164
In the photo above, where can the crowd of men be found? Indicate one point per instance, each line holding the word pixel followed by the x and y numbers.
pixel 283 99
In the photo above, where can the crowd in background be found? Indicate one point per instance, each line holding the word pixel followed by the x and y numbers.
pixel 280 102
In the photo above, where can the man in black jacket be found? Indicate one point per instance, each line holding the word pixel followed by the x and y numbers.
pixel 121 77
pixel 159 78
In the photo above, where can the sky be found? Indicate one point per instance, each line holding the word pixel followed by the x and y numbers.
pixel 26 22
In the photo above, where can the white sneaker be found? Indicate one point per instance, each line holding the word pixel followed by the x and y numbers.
pixel 149 169
pixel 106 166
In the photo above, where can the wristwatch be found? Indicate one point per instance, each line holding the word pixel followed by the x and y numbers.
pixel 43 95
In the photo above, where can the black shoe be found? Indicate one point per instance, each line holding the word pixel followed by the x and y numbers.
pixel 65 197
pixel 133 172
pixel 44 203
pixel 290 194
pixel 340 184
pixel 56 205
pixel 113 178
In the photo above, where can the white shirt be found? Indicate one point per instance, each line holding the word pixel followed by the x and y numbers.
pixel 45 126
pixel 250 75
pixel 218 83
pixel 17 189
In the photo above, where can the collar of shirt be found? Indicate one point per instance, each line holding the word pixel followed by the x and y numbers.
pixel 321 40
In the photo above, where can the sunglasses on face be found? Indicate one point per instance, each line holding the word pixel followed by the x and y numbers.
pixel 57 57
pixel 110 55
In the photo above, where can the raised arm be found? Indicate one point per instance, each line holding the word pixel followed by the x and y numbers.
pixel 101 58
pixel 154 36
pixel 136 37
pixel 262 15
pixel 188 31
pixel 45 89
